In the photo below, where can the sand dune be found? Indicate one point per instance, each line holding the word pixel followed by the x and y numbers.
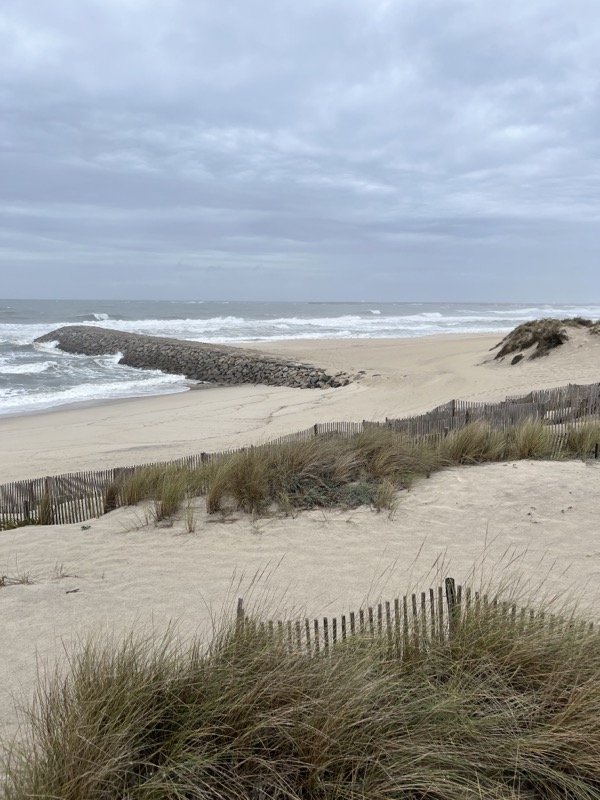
pixel 539 519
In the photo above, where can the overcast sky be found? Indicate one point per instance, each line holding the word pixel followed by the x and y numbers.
pixel 316 149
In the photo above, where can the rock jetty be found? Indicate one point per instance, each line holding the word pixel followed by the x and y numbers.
pixel 210 363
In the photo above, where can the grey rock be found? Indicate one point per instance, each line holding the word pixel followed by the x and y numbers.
pixel 217 364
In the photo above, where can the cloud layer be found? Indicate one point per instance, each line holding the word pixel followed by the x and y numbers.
pixel 330 149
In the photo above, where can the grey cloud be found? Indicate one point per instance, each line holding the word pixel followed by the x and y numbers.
pixel 392 149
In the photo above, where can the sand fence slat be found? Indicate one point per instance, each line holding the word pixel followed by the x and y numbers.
pixel 414 622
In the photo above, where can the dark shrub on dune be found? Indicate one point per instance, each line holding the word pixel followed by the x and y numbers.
pixel 543 334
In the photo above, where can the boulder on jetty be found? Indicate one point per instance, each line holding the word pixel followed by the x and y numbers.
pixel 210 363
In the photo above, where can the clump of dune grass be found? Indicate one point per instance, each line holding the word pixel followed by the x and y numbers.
pixel 582 439
pixel 475 443
pixel 579 322
pixel 171 492
pixel 543 334
pixel 506 706
pixel 190 518
pixel 111 499
pixel 45 515
pixel 147 483
pixel 319 472
pixel 386 497
pixel 16 579
pixel 392 456
pixel 322 472
pixel 530 439
pixel 166 485
pixel 245 479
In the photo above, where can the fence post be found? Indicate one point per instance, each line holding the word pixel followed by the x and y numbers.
pixel 239 616
pixel 31 498
pixel 453 604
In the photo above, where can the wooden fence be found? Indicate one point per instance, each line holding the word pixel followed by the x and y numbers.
pixel 75 497
pixel 412 622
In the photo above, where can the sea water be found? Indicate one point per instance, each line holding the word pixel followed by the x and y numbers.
pixel 36 377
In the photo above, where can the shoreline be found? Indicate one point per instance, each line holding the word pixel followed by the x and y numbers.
pixel 279 346
pixel 395 378
pixel 85 404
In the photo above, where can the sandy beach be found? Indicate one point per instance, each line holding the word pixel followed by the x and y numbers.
pixel 538 519
pixel 394 378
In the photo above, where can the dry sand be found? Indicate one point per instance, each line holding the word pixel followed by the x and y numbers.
pixel 538 519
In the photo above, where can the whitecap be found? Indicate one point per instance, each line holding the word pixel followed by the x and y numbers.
pixel 33 368
pixel 110 360
pixel 13 401
pixel 46 347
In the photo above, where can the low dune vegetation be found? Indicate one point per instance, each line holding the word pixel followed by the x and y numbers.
pixel 543 335
pixel 336 471
pixel 501 706
pixel 328 470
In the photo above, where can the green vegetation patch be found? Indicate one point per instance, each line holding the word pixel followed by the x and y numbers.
pixel 507 706
pixel 336 471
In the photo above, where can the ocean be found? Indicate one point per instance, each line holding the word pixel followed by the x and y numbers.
pixel 36 378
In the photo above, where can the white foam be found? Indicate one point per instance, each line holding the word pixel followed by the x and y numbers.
pixel 22 334
pixel 374 322
pixel 46 347
pixel 111 359
pixel 12 401
pixel 26 369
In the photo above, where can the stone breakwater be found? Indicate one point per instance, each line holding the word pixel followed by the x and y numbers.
pixel 198 361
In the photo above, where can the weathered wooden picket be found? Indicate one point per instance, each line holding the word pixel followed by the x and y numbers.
pixel 75 497
pixel 412 622
pixel 408 620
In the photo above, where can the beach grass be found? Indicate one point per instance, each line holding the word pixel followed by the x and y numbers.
pixel 497 709
pixel 532 439
pixel 583 438
pixel 328 471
